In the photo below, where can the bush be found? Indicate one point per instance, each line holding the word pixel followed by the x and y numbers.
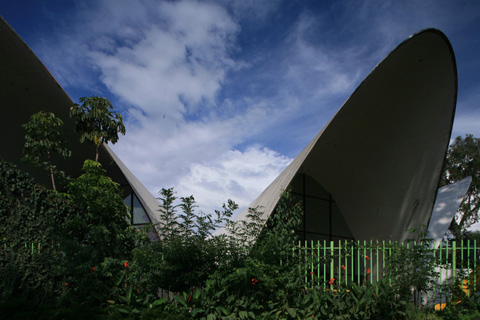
pixel 97 241
pixel 29 214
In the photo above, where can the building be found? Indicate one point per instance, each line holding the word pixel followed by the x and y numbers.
pixel 27 87
pixel 372 172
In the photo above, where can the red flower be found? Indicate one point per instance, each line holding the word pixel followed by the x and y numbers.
pixel 93 269
pixel 343 267
pixel 331 281
pixel 367 257
pixel 368 270
pixel 66 284
pixel 254 281
pixel 312 273
pixel 126 264
pixel 191 295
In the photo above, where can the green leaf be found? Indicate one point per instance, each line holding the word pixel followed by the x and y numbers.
pixel 123 310
pixel 221 309
pixel 196 311
pixel 197 293
pixel 129 294
pixel 292 312
pixel 180 300
pixel 219 293
pixel 159 302
pixel 211 316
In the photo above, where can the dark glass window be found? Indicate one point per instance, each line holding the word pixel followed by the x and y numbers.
pixel 322 218
pixel 139 216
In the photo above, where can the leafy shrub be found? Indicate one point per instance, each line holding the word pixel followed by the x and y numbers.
pixel 187 253
pixel 97 241
pixel 29 214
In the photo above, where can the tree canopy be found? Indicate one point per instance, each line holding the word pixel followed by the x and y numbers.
pixel 463 160
pixel 44 138
pixel 97 121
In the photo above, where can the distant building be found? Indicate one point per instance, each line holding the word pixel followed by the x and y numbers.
pixel 372 172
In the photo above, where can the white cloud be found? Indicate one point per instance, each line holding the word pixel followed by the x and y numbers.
pixel 178 61
pixel 163 158
pixel 244 175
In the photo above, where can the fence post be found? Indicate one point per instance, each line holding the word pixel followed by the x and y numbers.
pixel 376 258
pixel 318 263
pixel 324 264
pixel 468 267
pixel 332 260
pixel 358 261
pixel 339 261
pixel 474 266
pixel 352 260
pixel 454 261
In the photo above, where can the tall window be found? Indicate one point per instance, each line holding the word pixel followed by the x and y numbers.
pixel 322 218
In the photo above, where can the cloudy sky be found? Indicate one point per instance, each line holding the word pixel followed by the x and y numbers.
pixel 219 96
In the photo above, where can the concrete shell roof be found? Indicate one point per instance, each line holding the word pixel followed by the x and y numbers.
pixel 449 198
pixel 382 153
pixel 27 87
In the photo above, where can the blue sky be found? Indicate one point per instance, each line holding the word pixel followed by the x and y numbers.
pixel 219 96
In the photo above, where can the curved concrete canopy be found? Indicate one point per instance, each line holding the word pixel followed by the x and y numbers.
pixel 27 87
pixel 449 198
pixel 381 155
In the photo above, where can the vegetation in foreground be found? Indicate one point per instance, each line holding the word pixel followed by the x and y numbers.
pixel 93 265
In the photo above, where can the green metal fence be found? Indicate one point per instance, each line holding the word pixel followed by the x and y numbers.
pixel 328 264
pixel 33 248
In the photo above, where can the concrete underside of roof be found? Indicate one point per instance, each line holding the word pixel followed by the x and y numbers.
pixel 380 157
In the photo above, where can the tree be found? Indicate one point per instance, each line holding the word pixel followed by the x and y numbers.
pixel 96 121
pixel 97 241
pixel 44 138
pixel 463 160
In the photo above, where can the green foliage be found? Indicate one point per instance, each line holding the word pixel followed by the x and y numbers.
pixel 188 253
pixel 414 313
pixel 44 138
pixel 470 316
pixel 463 160
pixel 259 272
pixel 411 267
pixel 460 306
pixel 368 301
pixel 97 240
pixel 96 121
pixel 29 214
